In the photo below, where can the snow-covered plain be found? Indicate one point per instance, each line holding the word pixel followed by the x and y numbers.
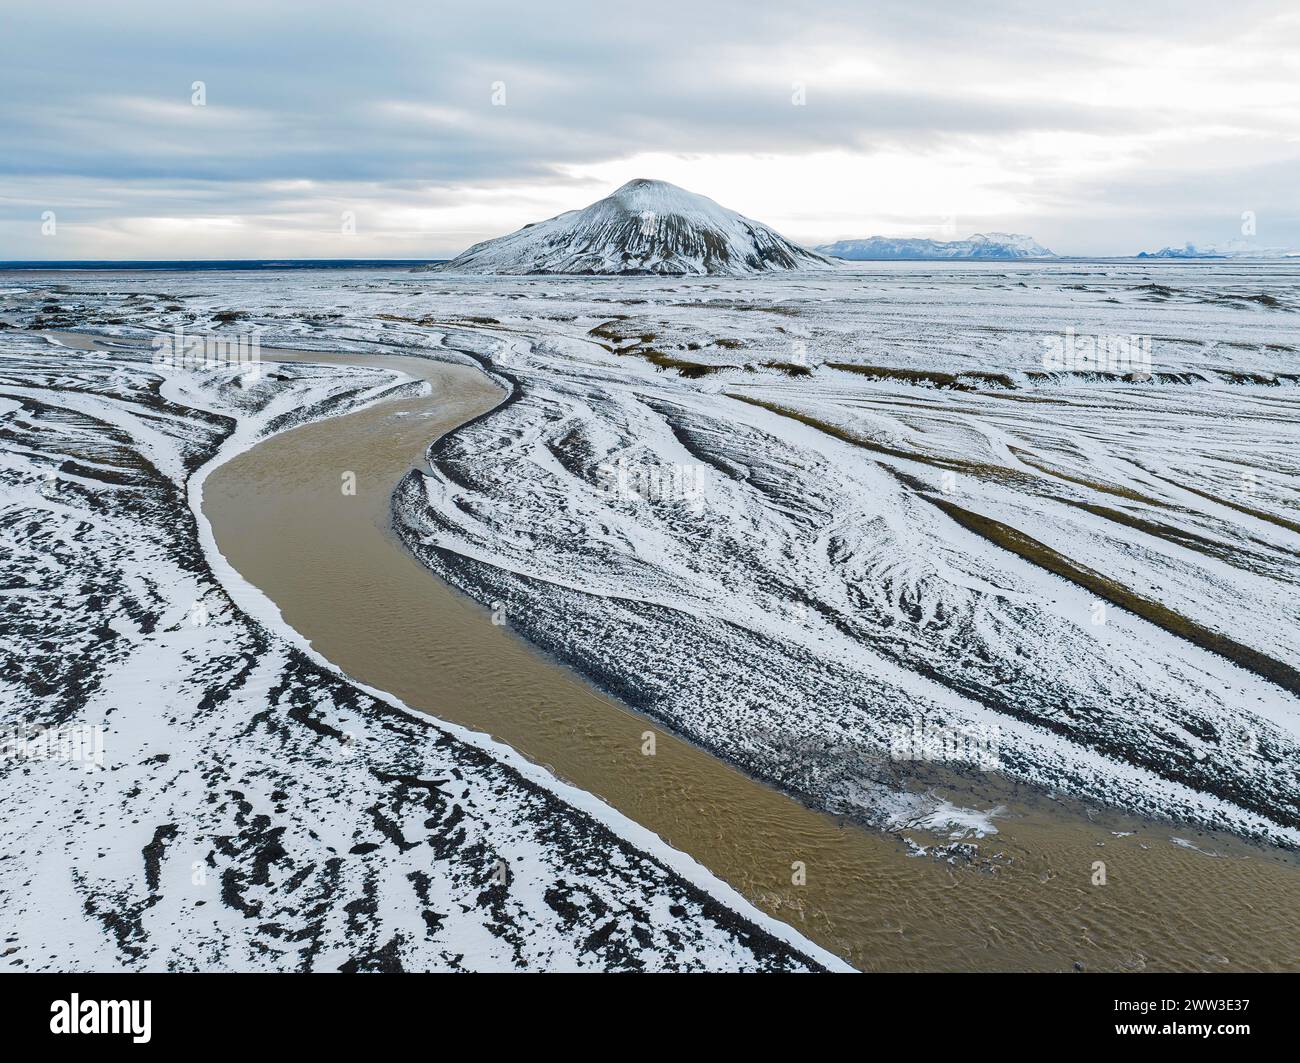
pixel 798 516
pixel 185 788
pixel 907 520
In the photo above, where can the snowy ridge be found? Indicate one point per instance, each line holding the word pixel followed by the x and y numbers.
pixel 878 553
pixel 979 246
pixel 857 607
pixel 646 227
pixel 1234 249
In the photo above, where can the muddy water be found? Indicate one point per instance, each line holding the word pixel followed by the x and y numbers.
pixel 342 579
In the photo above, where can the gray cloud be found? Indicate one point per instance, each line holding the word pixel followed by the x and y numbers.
pixel 393 99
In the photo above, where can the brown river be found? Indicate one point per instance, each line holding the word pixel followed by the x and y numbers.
pixel 338 574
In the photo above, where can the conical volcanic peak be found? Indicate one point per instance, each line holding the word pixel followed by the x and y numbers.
pixel 643 227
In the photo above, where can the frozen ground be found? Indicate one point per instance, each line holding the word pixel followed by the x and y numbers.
pixel 801 518
pixel 184 788
pixel 824 524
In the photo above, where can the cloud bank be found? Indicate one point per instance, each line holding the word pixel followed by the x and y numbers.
pixel 413 130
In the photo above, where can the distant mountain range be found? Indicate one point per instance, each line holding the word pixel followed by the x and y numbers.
pixel 645 227
pixel 1238 249
pixel 979 246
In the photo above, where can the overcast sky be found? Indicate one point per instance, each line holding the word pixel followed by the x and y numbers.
pixel 1098 128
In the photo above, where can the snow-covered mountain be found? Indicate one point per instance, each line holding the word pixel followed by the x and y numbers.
pixel 1237 249
pixel 981 245
pixel 643 227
